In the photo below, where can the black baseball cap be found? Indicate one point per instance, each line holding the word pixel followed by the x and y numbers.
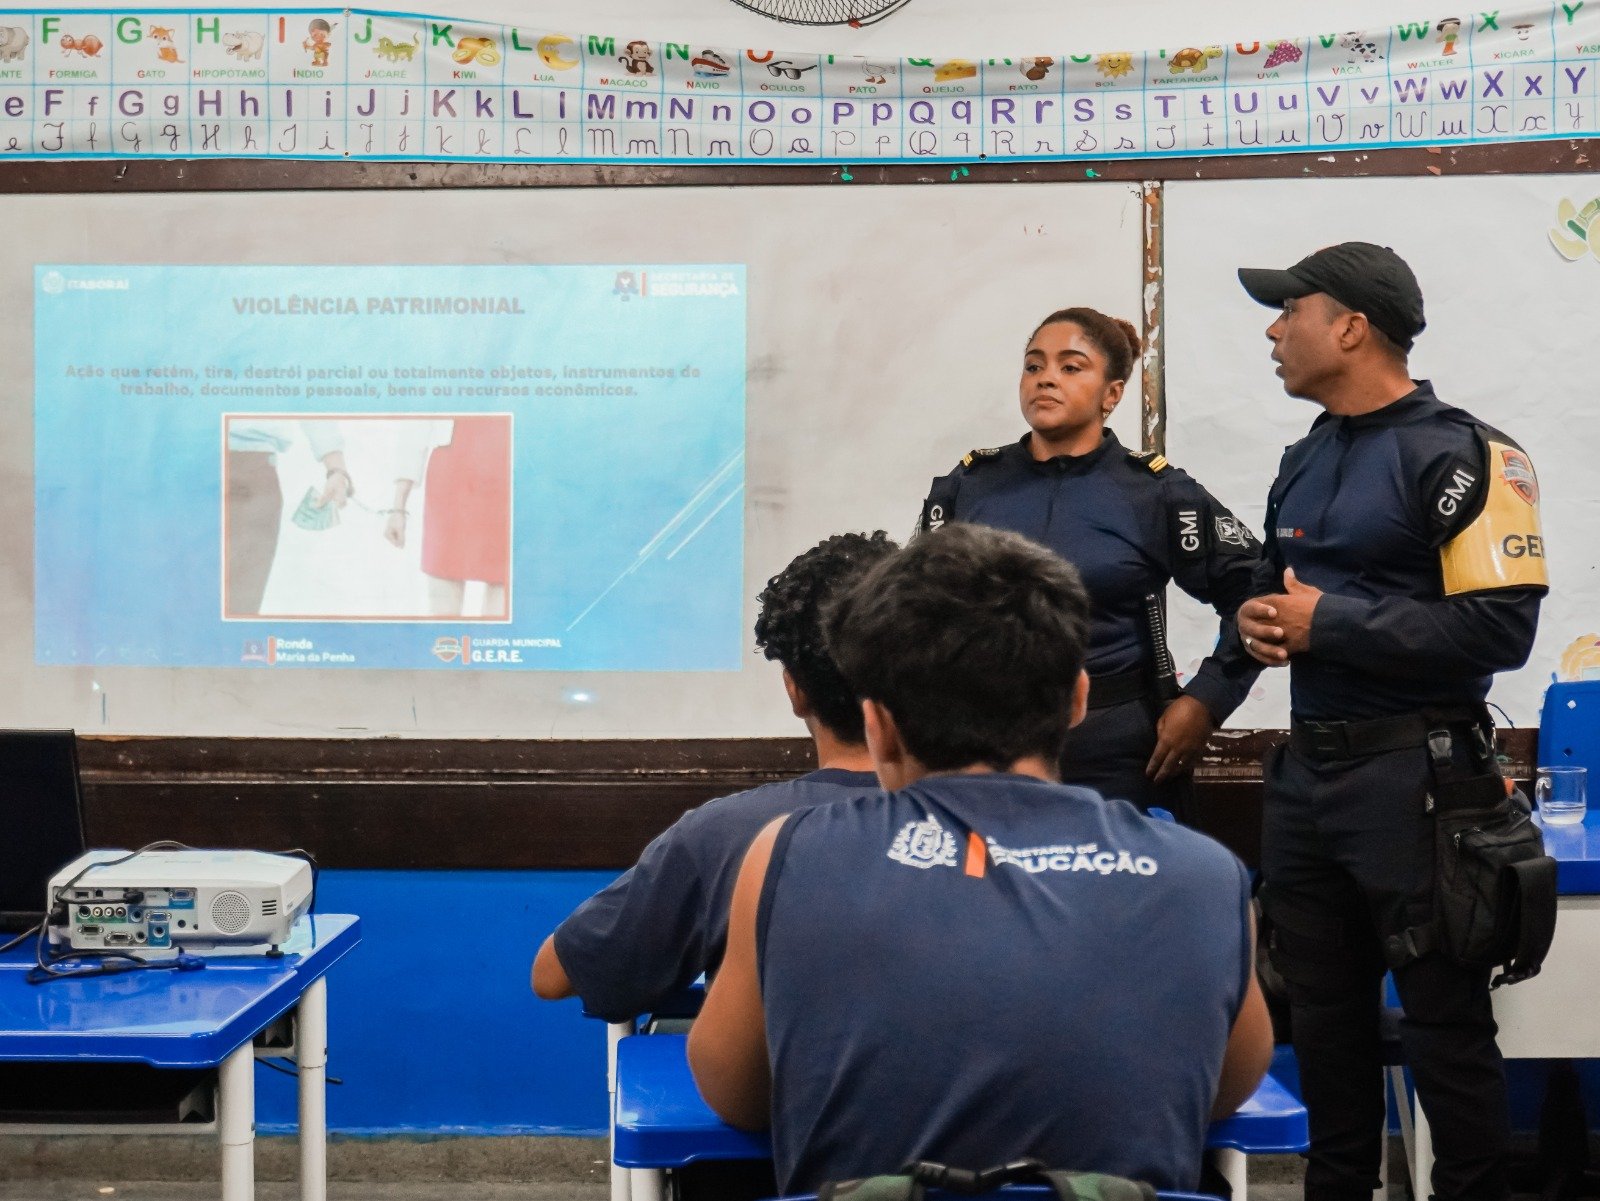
pixel 1372 280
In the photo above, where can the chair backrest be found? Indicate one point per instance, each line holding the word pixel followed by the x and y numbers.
pixel 1569 726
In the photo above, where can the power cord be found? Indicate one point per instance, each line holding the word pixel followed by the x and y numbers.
pixel 277 1065
pixel 21 938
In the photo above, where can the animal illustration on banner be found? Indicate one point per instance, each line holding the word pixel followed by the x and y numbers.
pixel 635 58
pixel 162 36
pixel 246 46
pixel 397 51
pixel 1361 47
pixel 87 46
pixel 1193 59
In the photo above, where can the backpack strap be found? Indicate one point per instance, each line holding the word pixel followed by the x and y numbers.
pixel 1097 1186
pixel 914 1181
pixel 873 1188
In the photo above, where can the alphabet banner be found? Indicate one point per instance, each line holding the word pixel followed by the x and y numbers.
pixel 352 84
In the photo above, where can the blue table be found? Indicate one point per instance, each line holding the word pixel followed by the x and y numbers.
pixel 661 1122
pixel 196 1019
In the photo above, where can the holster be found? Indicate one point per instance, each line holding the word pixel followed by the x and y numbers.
pixel 1494 888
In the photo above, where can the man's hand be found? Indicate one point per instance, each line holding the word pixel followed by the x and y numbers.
pixel 336 489
pixel 1277 626
pixel 1181 734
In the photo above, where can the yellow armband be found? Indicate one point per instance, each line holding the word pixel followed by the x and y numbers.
pixel 1502 547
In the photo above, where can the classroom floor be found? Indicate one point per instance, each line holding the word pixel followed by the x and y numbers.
pixel 98 1168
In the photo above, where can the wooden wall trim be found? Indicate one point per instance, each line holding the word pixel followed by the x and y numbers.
pixel 434 803
pixel 265 175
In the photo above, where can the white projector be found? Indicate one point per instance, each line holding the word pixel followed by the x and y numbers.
pixel 169 901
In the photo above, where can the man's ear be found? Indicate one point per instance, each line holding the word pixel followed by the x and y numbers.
pixel 799 703
pixel 1080 698
pixel 884 745
pixel 1354 329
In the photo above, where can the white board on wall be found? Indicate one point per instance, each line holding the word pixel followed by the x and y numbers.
pixel 1510 327
pixel 882 337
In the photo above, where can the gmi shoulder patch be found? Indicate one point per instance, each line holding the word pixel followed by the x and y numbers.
pixel 1503 546
pixel 974 456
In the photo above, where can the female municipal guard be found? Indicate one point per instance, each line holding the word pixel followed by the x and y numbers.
pixel 1131 523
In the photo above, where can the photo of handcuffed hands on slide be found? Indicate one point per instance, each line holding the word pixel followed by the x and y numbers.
pixel 333 555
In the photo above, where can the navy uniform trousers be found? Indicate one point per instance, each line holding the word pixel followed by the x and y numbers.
pixel 1109 750
pixel 1347 856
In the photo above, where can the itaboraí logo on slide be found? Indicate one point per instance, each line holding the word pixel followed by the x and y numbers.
pixel 54 283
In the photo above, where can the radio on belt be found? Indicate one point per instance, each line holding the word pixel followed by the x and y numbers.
pixel 167 901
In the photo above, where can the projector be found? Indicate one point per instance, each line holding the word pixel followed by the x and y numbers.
pixel 164 902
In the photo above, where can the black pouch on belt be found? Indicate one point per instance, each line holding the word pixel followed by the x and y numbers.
pixel 1494 894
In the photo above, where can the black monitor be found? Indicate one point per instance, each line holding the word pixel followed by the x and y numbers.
pixel 41 819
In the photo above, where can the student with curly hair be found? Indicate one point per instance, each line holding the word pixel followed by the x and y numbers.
pixel 665 920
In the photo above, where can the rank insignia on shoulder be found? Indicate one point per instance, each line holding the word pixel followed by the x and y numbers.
pixel 1157 463
pixel 972 456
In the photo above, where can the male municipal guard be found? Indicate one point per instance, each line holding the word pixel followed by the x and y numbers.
pixel 1404 567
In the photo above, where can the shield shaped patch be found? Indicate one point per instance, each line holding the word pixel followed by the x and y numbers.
pixel 1518 472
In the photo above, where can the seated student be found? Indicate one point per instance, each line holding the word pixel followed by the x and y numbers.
pixel 665 920
pixel 984 963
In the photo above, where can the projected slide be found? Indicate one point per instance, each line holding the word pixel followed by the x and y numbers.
pixel 493 467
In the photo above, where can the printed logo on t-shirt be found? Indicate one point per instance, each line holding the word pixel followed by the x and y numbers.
pixel 924 844
pixel 1084 857
pixel 928 844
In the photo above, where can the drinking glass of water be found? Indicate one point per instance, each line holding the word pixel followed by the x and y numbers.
pixel 1562 794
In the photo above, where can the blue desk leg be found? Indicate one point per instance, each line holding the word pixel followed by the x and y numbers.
pixel 311 1053
pixel 236 1124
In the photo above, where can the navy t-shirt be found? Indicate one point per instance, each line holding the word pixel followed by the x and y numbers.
pixel 982 967
pixel 665 920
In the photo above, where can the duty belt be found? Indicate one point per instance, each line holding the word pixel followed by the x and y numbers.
pixel 1119 688
pixel 1330 740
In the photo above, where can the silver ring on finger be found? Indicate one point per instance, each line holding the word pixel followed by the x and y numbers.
pixel 1249 642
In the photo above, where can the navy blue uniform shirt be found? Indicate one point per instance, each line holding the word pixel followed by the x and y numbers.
pixel 665 920
pixel 1363 508
pixel 1130 524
